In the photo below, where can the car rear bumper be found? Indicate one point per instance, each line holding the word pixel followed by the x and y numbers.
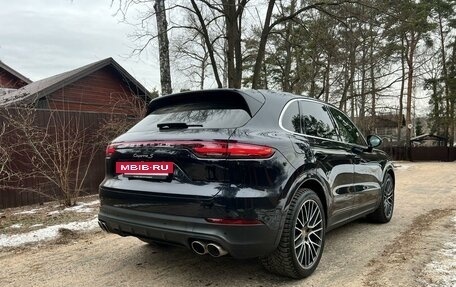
pixel 241 241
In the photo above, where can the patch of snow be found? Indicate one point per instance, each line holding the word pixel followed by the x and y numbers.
pixel 31 211
pixel 54 212
pixel 92 202
pixel 17 225
pixel 86 210
pixel 443 269
pixel 82 206
pixel 79 208
pixel 46 233
pixel 36 225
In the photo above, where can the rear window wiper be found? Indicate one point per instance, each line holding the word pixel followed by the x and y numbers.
pixel 168 126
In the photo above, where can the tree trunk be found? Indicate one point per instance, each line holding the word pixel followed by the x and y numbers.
pixel 286 84
pixel 372 78
pixel 408 117
pixel 233 36
pixel 362 108
pixel 401 94
pixel 207 41
pixel 373 96
pixel 238 46
pixel 203 72
pixel 410 63
pixel 163 47
pixel 262 46
pixel 225 64
pixel 230 23
pixel 327 75
pixel 350 73
pixel 265 73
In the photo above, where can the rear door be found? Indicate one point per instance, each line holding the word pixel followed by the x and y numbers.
pixel 333 158
pixel 368 171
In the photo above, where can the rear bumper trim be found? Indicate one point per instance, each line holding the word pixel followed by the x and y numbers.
pixel 241 241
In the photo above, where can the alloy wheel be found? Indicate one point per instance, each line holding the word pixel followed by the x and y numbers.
pixel 308 233
pixel 388 197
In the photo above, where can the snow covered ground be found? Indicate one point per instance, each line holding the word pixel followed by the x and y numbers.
pixel 25 225
pixel 32 211
pixel 443 268
pixel 79 207
pixel 46 233
pixel 83 207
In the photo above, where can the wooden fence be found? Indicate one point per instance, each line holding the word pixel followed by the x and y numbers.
pixel 12 196
pixel 422 153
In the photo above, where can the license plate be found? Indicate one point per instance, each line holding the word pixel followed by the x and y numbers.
pixel 144 168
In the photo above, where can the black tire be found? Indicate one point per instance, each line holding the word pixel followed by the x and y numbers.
pixel 384 211
pixel 154 243
pixel 291 256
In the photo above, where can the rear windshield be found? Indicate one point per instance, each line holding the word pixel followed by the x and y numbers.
pixel 195 115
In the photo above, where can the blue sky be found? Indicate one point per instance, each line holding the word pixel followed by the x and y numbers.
pixel 41 38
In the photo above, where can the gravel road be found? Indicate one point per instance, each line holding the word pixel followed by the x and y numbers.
pixel 405 252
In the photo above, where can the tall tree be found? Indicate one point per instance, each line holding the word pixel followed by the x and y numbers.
pixel 163 46
pixel 144 35
pixel 191 55
pixel 410 19
pixel 438 79
pixel 452 88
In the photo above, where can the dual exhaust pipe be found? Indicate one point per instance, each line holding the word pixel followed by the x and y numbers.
pixel 199 247
pixel 202 248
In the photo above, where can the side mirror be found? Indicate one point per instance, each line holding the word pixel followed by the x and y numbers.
pixel 374 141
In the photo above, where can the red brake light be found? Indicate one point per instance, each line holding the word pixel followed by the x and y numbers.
pixel 110 150
pixel 248 150
pixel 232 150
pixel 209 149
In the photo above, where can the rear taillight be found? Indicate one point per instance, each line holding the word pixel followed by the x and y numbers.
pixel 232 150
pixel 110 150
pixel 206 149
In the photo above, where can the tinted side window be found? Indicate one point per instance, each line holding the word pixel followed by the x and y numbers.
pixel 316 121
pixel 348 132
pixel 290 118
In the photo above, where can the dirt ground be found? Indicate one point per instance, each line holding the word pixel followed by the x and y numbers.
pixel 405 252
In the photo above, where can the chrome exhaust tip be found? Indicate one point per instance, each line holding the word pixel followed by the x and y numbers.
pixel 216 250
pixel 199 247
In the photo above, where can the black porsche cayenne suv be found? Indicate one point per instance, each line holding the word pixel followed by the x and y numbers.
pixel 245 173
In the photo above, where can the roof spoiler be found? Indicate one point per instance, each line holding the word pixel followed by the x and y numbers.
pixel 253 100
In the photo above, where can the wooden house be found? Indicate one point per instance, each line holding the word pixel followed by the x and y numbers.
pixel 11 79
pixel 101 87
pixel 384 125
pixel 429 140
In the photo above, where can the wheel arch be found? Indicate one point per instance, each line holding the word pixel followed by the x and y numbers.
pixel 317 187
pixel 309 179
pixel 389 170
pixel 393 175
